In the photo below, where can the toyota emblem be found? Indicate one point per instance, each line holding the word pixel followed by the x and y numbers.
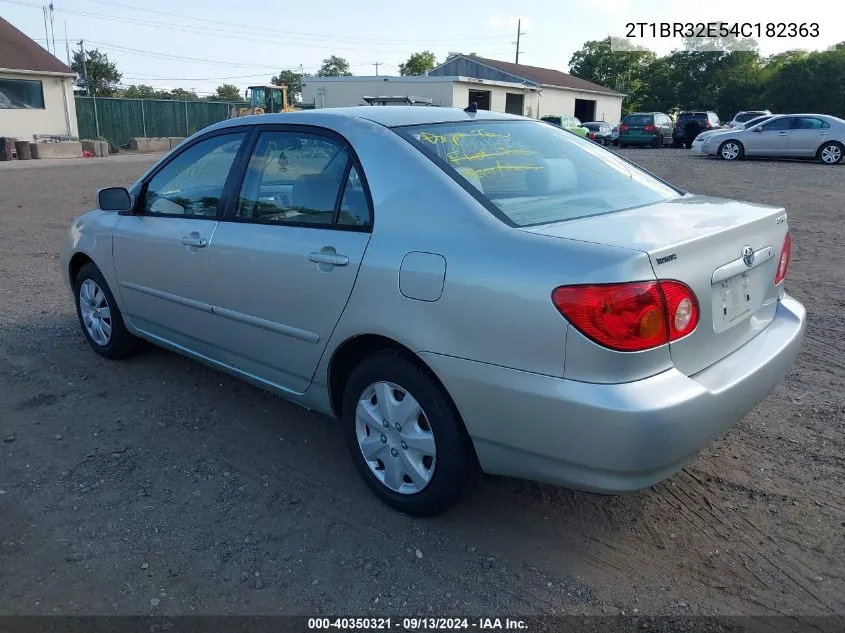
pixel 748 256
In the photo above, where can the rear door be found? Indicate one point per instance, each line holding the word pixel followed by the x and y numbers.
pixel 285 257
pixel 769 139
pixel 807 135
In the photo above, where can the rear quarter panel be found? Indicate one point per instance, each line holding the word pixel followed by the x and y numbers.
pixel 496 302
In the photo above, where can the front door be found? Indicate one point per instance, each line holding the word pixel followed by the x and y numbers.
pixel 161 251
pixel 772 139
pixel 285 257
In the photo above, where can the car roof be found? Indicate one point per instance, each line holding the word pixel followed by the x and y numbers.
pixel 389 116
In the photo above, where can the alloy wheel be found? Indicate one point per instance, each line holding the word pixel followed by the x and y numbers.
pixel 95 311
pixel 831 154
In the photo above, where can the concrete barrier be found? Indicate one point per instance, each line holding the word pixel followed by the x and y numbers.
pixel 104 148
pixel 175 140
pixel 65 149
pixel 149 145
pixel 92 146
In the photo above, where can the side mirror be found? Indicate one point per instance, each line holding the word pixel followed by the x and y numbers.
pixel 114 199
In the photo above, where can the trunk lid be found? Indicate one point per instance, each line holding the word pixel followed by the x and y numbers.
pixel 700 241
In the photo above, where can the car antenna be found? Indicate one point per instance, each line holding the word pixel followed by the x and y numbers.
pixel 472 107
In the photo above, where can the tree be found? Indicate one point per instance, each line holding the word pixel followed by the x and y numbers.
pixel 293 81
pixel 141 91
pixel 100 75
pixel 334 66
pixel 610 64
pixel 228 92
pixel 418 64
pixel 180 94
pixel 452 55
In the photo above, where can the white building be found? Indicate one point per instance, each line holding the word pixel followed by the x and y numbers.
pixel 36 89
pixel 493 85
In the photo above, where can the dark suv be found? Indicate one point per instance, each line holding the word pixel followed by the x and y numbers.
pixel 692 123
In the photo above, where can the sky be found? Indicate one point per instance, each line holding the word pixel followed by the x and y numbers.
pixel 199 44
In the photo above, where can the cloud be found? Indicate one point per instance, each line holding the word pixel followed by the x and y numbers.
pixel 606 6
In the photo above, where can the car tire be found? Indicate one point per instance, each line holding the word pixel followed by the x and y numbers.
pixel 658 143
pixel 677 144
pixel 99 317
pixel 731 150
pixel 622 145
pixel 442 460
pixel 831 153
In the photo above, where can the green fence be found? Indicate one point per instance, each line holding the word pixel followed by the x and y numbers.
pixel 118 120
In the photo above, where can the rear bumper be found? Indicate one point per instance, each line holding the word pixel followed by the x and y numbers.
pixel 614 438
pixel 638 140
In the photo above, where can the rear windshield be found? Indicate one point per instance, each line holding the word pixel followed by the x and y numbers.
pixel 530 173
pixel 687 116
pixel 594 127
pixel 639 119
pixel 747 116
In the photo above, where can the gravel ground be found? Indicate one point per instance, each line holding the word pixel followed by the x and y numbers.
pixel 158 486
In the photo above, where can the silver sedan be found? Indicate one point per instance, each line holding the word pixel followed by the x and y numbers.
pixel 818 136
pixel 459 289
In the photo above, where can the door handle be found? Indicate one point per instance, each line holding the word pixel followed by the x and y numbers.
pixel 195 240
pixel 824 133
pixel 781 133
pixel 332 259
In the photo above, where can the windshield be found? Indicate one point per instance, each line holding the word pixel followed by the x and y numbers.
pixel 747 116
pixel 530 173
pixel 756 121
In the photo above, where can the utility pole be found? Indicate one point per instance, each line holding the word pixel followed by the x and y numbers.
pixel 52 28
pixel 67 45
pixel 377 64
pixel 84 69
pixel 518 33
pixel 46 30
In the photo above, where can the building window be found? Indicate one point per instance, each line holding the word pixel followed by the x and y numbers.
pixel 21 94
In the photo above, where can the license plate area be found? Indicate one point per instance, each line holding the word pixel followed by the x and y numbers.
pixel 735 299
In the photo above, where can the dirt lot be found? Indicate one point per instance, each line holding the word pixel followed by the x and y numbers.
pixel 160 486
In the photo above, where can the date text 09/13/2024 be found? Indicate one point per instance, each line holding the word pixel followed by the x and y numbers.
pixel 416 624
pixel 721 29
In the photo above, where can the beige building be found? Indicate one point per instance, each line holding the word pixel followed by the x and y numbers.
pixel 36 89
pixel 494 85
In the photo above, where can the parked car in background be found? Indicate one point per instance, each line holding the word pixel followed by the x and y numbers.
pixel 567 122
pixel 599 131
pixel 597 327
pixel 818 136
pixel 690 124
pixel 652 129
pixel 744 116
pixel 696 144
pixel 614 134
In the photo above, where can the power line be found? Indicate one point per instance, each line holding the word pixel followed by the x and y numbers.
pixel 295 33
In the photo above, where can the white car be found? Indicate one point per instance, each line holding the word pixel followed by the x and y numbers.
pixel 745 116
pixel 819 136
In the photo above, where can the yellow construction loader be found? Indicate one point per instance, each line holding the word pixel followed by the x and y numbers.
pixel 264 100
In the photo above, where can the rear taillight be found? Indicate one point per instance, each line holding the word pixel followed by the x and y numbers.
pixel 630 317
pixel 708 125
pixel 783 262
pixel 649 128
pixel 623 128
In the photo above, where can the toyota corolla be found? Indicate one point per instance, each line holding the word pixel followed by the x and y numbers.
pixel 460 289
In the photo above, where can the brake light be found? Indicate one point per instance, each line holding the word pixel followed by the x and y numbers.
pixel 785 256
pixel 708 125
pixel 623 127
pixel 649 128
pixel 630 317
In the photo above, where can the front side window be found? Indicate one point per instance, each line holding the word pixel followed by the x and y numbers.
pixel 301 178
pixel 529 173
pixel 21 94
pixel 784 123
pixel 192 183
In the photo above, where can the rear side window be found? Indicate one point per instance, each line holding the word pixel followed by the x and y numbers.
pixel 638 119
pixel 528 173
